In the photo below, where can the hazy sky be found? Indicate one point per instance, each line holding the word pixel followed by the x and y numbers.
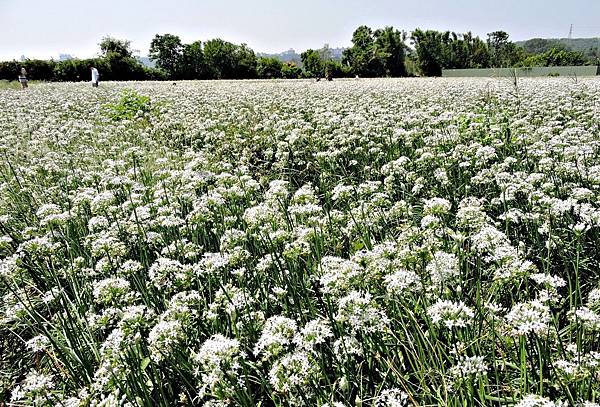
pixel 45 28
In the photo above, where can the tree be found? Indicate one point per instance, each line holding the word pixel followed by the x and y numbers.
pixel 290 70
pixel 376 53
pixel 478 51
pixel 110 46
pixel 219 57
pixel 556 57
pixel 448 50
pixel 245 62
pixel 503 52
pixel 429 46
pixel 464 51
pixel 120 63
pixel 269 68
pixel 335 69
pixel 167 51
pixel 362 57
pixel 192 62
pixel 390 50
pixel 313 64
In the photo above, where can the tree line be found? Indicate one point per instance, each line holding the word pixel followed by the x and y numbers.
pixel 116 62
pixel 385 52
pixel 434 51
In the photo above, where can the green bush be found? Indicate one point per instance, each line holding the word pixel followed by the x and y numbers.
pixel 36 69
pixel 111 68
pixel 76 70
pixel 130 105
pixel 154 74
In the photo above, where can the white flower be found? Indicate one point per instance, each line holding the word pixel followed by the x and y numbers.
pixel 529 317
pixel 218 358
pixel 164 338
pixel 8 267
pixel 39 343
pixel 278 191
pixel 443 268
pixel 35 385
pixel 594 298
pixel 346 347
pixel 533 400
pixel 403 281
pixel 548 280
pixel 470 213
pixel 102 201
pixel 586 317
pixel 339 275
pixel 292 373
pixel 232 300
pixel 430 221
pixel 484 154
pixel 361 313
pixel 469 366
pixel 98 223
pixel 314 333
pixel 217 351
pixel 450 314
pixel 342 192
pixel 392 398
pixel 169 274
pixel 488 239
pixel 436 206
pixel 130 267
pixel 276 336
pixel 134 318
pixel 107 243
pixel 113 291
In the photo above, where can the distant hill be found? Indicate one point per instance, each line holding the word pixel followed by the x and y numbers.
pixel 146 61
pixel 286 56
pixel 589 46
pixel 292 56
pixel 336 53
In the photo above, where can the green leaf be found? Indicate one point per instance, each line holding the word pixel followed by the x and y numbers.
pixel 144 363
pixel 357 245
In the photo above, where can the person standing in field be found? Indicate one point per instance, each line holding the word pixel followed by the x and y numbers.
pixel 23 78
pixel 95 76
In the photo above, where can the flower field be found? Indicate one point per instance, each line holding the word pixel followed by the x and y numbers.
pixel 372 242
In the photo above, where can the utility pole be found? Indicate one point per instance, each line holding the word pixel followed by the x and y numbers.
pixel 570 42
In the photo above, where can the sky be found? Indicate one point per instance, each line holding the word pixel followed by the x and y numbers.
pixel 47 28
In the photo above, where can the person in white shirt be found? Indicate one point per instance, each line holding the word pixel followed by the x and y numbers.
pixel 95 76
pixel 23 78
